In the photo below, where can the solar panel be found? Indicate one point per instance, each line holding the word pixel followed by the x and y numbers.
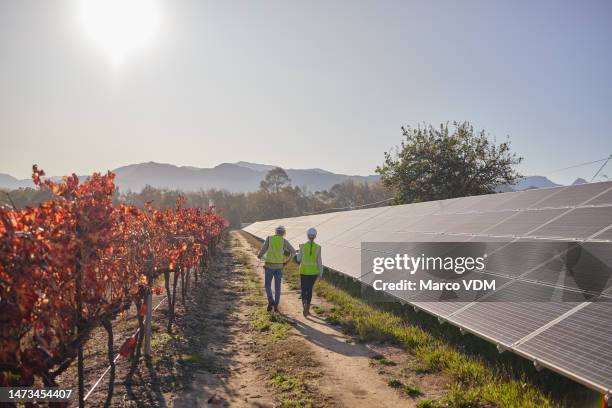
pixel 440 309
pixel 527 199
pixel 508 315
pixel 579 223
pixel 341 258
pixel 523 222
pixel 574 196
pixel 459 205
pixel 476 222
pixel 493 201
pixel 605 235
pixel 580 343
pixel 516 259
pixel 538 310
pixel 604 198
pixel 586 267
pixel 435 223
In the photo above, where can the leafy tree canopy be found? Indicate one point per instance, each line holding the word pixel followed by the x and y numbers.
pixel 275 181
pixel 447 162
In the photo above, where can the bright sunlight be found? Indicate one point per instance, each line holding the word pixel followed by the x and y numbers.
pixel 120 27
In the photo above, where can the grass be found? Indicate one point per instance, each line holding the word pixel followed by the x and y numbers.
pixel 406 389
pixel 274 325
pixel 475 383
pixel 295 388
pixel 426 403
pixel 196 360
pixel 381 360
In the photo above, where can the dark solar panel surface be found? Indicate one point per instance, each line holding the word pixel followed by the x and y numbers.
pixel 524 221
pixel 474 223
pixel 574 196
pixel 578 223
pixel 581 343
pixel 605 235
pixel 528 198
pixel 509 315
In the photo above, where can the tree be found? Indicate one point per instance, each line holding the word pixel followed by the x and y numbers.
pixel 350 193
pixel 275 181
pixel 439 163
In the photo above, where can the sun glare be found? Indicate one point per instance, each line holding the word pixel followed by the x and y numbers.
pixel 120 27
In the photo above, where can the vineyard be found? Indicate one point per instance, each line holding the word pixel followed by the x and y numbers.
pixel 79 262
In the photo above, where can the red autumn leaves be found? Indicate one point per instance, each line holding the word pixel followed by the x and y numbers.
pixel 112 248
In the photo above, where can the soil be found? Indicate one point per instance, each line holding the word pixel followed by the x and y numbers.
pixel 215 356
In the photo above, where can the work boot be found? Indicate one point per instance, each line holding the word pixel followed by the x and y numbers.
pixel 270 305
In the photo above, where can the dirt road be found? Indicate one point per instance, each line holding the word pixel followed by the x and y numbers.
pixel 234 373
pixel 350 379
pixel 227 374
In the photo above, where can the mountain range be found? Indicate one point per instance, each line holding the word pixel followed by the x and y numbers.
pixel 236 177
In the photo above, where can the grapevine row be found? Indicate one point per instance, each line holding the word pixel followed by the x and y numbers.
pixel 79 261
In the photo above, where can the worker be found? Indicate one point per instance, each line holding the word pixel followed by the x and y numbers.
pixel 311 267
pixel 276 252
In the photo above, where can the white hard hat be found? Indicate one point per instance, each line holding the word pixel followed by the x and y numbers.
pixel 311 232
pixel 280 229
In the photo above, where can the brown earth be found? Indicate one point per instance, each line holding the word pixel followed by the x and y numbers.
pixel 218 358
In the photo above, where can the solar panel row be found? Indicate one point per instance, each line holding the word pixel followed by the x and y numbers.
pixel 562 331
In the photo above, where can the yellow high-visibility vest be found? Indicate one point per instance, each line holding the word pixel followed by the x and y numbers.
pixel 275 252
pixel 309 254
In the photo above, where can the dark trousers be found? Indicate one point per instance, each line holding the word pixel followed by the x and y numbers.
pixel 277 274
pixel 306 283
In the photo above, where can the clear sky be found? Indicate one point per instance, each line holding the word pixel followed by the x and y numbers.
pixel 311 84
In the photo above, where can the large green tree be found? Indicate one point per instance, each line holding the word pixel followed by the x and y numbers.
pixel 446 162
pixel 275 181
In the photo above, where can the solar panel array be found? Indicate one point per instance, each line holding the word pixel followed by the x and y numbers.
pixel 570 336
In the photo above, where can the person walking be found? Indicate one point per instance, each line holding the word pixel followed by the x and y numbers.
pixel 273 253
pixel 311 267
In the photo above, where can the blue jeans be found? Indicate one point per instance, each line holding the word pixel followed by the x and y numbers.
pixel 277 274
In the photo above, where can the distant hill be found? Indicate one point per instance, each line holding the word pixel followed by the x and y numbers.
pixel 235 177
pixel 534 182
pixel 238 177
pixel 579 181
pixel 10 183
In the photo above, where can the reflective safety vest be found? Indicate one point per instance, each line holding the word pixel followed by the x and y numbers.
pixel 309 255
pixel 276 250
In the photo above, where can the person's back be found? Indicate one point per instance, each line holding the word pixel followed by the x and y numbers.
pixel 311 267
pixel 273 254
pixel 310 253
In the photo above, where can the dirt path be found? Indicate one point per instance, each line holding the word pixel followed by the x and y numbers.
pixel 350 379
pixel 226 373
pixel 232 367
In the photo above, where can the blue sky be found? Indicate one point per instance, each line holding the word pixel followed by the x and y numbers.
pixel 305 84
